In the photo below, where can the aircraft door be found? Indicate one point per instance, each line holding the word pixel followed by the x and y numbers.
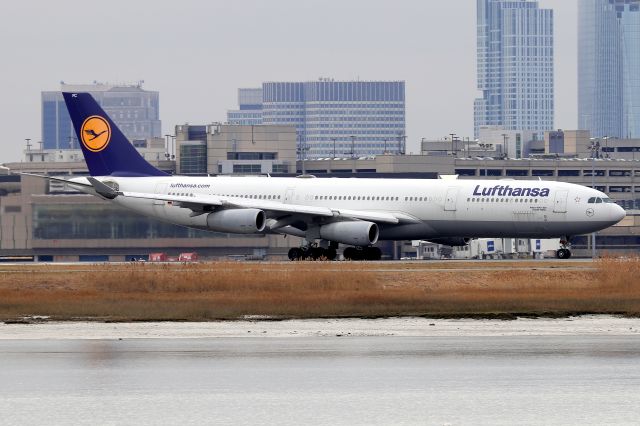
pixel 560 202
pixel 451 199
pixel 288 195
pixel 158 205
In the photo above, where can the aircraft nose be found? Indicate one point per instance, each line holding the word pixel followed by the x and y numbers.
pixel 617 213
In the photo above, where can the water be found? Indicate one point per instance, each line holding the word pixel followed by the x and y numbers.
pixel 323 380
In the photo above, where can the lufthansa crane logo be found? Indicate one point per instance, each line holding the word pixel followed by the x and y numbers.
pixel 95 133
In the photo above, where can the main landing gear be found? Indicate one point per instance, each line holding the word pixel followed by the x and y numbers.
pixel 316 252
pixel 564 252
pixel 312 253
pixel 362 253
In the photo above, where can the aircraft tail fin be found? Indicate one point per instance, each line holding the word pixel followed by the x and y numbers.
pixel 106 149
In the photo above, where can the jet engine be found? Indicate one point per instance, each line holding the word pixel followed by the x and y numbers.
pixel 451 241
pixel 353 233
pixel 237 221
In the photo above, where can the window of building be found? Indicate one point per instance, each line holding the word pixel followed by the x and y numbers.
pixel 280 168
pixel 517 172
pixel 619 173
pixel 252 156
pixel 565 172
pixel 541 172
pixel 619 188
pixel 465 172
pixel 247 168
pixel 493 172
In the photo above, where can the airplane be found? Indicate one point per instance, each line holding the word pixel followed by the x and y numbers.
pixel 326 212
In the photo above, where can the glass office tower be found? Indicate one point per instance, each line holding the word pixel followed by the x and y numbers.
pixel 515 66
pixel 332 118
pixel 609 67
pixel 339 118
pixel 250 108
pixel 133 109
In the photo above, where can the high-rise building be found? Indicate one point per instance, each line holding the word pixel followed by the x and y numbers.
pixel 133 109
pixel 250 108
pixel 609 67
pixel 515 66
pixel 334 118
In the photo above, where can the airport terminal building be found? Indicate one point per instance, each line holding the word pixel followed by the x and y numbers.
pixel 51 222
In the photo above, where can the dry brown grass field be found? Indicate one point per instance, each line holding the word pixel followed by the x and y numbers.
pixel 234 290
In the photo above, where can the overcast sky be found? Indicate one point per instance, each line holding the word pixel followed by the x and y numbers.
pixel 197 53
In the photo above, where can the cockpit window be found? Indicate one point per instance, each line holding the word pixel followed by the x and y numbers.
pixel 599 200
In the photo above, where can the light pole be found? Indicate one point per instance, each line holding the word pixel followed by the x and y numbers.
pixel 302 148
pixel 28 143
pixel 595 146
pixel 402 143
pixel 453 150
pixel 606 145
pixel 505 138
pixel 334 147
pixel 167 136
pixel 353 146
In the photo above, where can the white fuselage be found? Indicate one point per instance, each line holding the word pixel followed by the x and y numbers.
pixel 436 208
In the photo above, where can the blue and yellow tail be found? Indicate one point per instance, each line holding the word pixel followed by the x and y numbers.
pixel 106 150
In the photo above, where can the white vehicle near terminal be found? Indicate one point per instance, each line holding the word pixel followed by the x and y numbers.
pixel 490 248
pixel 332 211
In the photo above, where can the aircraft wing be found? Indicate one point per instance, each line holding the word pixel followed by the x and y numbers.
pixel 201 204
pixel 57 179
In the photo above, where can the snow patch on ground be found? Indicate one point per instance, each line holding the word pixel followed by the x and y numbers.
pixel 401 327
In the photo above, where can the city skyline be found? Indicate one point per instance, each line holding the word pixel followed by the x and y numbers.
pixel 131 107
pixel 515 66
pixel 609 71
pixel 430 45
pixel 332 118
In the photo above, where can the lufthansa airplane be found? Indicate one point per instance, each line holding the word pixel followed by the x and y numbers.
pixel 331 211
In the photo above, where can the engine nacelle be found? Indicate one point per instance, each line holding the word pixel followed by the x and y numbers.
pixel 354 233
pixel 451 241
pixel 237 221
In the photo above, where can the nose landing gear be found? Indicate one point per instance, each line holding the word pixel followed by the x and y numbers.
pixel 564 252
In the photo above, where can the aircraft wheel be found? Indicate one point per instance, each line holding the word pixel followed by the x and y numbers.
pixel 295 253
pixel 349 253
pixel 563 254
pixel 317 253
pixel 330 254
pixel 373 253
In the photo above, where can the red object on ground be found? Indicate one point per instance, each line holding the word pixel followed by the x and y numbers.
pixel 188 257
pixel 157 257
